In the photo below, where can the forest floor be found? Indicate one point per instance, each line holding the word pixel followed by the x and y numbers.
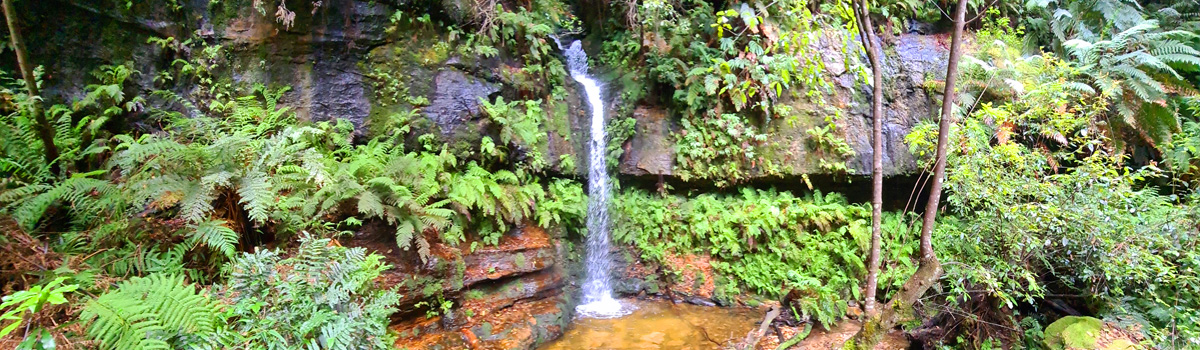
pixel 822 339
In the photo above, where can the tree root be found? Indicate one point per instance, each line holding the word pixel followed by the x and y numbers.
pixel 796 339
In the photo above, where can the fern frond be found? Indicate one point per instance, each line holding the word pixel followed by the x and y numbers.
pixel 214 234
pixel 154 312
pixel 256 194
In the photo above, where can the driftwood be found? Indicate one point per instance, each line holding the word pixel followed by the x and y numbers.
pixel 753 338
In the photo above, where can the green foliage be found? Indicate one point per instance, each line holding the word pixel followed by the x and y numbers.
pixel 618 131
pixel 1053 22
pixel 31 301
pixel 520 128
pixel 321 297
pixel 761 239
pixel 565 205
pixel 727 71
pixel 1027 167
pixel 526 31
pixel 999 29
pixel 901 233
pixel 1134 70
pixel 154 312
pixel 1183 153
pixel 209 170
pixel 227 176
pixel 30 188
pixel 1134 66
pixel 721 149
pixel 826 142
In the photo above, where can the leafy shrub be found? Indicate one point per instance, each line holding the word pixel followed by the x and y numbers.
pixel 22 304
pixel 727 71
pixel 520 128
pixel 1042 204
pixel 721 149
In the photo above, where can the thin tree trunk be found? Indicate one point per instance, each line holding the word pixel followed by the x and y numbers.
pixel 871 46
pixel 44 129
pixel 929 268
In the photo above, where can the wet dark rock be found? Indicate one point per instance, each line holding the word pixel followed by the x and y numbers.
pixel 700 301
pixel 318 56
pixel 456 99
pixel 651 150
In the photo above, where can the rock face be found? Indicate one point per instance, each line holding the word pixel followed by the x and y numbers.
pixel 456 99
pixel 508 296
pixel 342 63
pixel 317 56
pixel 651 150
pixel 915 60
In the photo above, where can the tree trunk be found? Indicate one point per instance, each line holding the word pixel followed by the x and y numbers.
pixel 44 129
pixel 870 45
pixel 929 268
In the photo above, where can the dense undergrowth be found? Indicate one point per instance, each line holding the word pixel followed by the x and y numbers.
pixel 172 219
pixel 766 242
pixel 193 202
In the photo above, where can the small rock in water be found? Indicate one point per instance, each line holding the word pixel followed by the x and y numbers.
pixel 701 301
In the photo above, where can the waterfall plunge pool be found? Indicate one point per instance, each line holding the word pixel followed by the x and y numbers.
pixel 660 324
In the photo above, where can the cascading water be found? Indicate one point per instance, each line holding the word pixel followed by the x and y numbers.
pixel 597 291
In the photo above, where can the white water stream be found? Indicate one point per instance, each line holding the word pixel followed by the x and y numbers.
pixel 597 289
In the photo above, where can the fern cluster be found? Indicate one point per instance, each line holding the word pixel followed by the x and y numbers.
pixel 236 172
pixel 321 297
pixel 727 70
pixel 520 128
pixel 30 186
pixel 155 312
pixel 765 241
pixel 1027 168
pixel 247 168
pixel 1136 66
pixel 1136 71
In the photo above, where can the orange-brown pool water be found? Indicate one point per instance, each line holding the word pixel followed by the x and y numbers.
pixel 660 325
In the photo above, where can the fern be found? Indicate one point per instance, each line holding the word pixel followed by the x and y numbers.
pixel 330 300
pixel 255 192
pixel 759 240
pixel 154 312
pixel 1133 70
pixel 214 234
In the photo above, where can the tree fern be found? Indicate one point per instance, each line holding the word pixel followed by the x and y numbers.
pixel 1133 70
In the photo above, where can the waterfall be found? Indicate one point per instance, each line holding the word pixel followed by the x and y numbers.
pixel 597 289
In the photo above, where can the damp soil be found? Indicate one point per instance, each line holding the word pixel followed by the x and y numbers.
pixel 658 324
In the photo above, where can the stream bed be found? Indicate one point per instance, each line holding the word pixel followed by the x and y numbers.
pixel 658 324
